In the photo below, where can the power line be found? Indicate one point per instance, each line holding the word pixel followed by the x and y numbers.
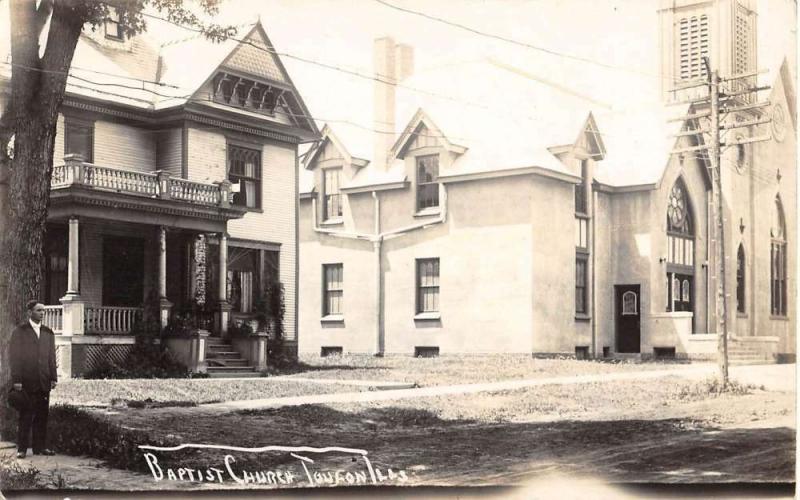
pixel 518 42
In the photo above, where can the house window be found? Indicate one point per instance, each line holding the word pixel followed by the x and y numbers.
pixel 740 280
pixel 427 285
pixel 332 196
pixel 79 138
pixel 113 25
pixel 581 232
pixel 581 306
pixel 694 46
pixel 244 169
pixel 332 289
pixel 680 250
pixel 778 266
pixel 427 181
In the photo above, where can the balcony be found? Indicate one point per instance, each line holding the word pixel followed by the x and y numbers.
pixel 78 188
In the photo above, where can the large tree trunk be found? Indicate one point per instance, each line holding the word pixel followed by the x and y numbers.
pixel 37 90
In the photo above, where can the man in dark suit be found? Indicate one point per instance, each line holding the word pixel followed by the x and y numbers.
pixel 33 370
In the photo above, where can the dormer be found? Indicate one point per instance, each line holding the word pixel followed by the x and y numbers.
pixel 333 168
pixel 425 151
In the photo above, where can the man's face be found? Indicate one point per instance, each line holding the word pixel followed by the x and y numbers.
pixel 37 313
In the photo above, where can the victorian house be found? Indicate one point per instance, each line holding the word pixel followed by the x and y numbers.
pixel 502 212
pixel 174 185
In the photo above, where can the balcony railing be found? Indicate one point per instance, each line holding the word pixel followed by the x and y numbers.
pixel 54 318
pixel 111 320
pixel 159 184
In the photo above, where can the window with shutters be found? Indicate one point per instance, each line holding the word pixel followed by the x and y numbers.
pixel 244 170
pixel 693 36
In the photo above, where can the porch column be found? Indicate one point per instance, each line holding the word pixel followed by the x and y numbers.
pixel 72 303
pixel 224 307
pixel 164 305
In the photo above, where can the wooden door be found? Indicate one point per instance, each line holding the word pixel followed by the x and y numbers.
pixel 628 322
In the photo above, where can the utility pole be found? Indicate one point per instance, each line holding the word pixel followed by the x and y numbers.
pixel 713 145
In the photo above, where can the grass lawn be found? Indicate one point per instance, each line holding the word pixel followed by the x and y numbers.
pixel 462 369
pixel 671 430
pixel 183 391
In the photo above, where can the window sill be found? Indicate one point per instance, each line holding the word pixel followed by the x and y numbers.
pixel 332 318
pixel 332 222
pixel 582 317
pixel 779 318
pixel 427 212
pixel 428 316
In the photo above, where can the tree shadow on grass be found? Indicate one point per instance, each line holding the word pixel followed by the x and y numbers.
pixel 453 452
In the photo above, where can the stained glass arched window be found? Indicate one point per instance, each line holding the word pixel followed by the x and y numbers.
pixel 680 249
pixel 740 280
pixel 778 267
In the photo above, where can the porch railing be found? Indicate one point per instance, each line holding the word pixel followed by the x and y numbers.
pixel 54 318
pixel 195 192
pixel 157 184
pixel 111 320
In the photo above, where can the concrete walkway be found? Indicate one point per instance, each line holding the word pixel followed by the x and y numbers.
pixel 772 377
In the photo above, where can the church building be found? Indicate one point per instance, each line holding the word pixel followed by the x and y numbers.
pixel 520 216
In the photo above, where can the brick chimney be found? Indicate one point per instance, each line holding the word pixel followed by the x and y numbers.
pixel 392 63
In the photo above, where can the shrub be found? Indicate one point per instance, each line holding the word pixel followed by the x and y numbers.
pixel 146 360
pixel 271 309
pixel 16 476
pixel 240 329
pixel 78 432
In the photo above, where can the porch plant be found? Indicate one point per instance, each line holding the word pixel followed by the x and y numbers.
pixel 270 312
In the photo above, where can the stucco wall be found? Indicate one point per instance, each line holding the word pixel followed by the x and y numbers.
pixel 552 246
pixel 485 272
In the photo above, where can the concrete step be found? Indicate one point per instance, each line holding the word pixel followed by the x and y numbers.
pixel 233 374
pixel 223 354
pixel 229 369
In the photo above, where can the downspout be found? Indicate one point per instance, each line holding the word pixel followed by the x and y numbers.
pixel 377 239
pixel 594 273
pixel 376 246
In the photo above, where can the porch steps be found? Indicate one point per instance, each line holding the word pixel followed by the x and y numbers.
pixel 223 361
pixel 742 351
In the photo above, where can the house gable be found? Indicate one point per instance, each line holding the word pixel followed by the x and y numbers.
pixel 422 132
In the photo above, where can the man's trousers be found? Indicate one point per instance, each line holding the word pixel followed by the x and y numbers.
pixel 34 421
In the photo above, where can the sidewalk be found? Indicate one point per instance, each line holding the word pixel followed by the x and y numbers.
pixel 772 377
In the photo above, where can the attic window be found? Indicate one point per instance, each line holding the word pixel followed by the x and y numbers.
pixel 245 93
pixel 113 25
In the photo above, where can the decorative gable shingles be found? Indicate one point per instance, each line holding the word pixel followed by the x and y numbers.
pixel 254 57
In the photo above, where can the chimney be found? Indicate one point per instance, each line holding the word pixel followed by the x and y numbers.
pixel 391 63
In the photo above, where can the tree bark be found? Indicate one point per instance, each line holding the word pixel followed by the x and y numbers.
pixel 37 90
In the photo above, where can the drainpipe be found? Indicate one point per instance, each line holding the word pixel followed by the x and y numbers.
pixel 376 246
pixel 377 239
pixel 594 274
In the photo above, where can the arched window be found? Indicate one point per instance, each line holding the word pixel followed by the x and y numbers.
pixel 629 303
pixel 778 260
pixel 680 249
pixel 740 280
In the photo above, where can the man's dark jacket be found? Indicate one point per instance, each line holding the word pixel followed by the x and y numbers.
pixel 33 361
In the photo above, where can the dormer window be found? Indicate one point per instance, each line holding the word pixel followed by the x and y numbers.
pixel 427 182
pixel 113 25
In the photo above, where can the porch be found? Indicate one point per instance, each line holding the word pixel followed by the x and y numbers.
pixel 125 251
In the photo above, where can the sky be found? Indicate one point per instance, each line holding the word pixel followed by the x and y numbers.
pixel 619 33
